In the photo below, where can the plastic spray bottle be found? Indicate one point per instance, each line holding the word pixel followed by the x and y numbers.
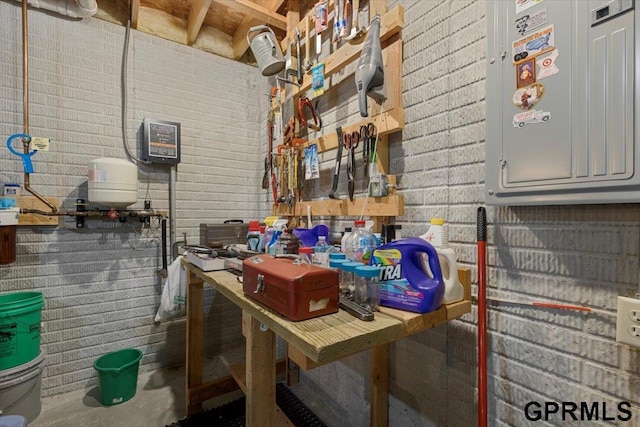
pixel 438 237
pixel 279 225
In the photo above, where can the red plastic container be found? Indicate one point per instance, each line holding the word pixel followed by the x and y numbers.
pixel 295 290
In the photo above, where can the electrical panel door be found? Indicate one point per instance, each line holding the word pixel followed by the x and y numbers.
pixel 562 78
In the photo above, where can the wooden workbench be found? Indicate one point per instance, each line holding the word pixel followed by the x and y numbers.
pixel 311 343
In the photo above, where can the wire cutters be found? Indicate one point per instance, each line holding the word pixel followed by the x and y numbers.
pixel 306 102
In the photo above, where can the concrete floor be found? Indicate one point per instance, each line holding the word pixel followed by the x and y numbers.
pixel 159 400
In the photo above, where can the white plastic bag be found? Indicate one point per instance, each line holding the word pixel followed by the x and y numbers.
pixel 174 294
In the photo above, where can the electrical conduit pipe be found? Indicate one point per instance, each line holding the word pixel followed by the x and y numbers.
pixel 72 8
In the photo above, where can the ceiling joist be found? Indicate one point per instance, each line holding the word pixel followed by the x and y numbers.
pixel 257 11
pixel 216 26
pixel 135 11
pixel 199 9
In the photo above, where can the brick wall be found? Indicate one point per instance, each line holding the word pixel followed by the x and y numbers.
pixel 577 254
pixel 100 283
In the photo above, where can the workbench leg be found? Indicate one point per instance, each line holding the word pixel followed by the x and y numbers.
pixel 380 385
pixel 261 374
pixel 195 322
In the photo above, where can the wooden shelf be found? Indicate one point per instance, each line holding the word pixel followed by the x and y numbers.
pixel 376 206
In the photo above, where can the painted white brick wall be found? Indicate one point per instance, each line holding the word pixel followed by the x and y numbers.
pixel 577 254
pixel 100 283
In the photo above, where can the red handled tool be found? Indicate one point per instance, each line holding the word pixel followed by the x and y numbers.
pixel 482 317
pixel 306 102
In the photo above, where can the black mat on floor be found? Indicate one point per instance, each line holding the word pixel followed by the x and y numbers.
pixel 233 415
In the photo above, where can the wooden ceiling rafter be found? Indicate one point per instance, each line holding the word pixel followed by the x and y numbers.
pixel 199 9
pixel 259 12
pixel 215 26
pixel 135 12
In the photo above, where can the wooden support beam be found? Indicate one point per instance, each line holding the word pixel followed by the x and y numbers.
pixel 261 374
pixel 135 10
pixel 258 11
pixel 195 334
pixel 380 386
pixel 199 9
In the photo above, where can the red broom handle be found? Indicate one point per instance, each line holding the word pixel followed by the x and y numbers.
pixel 482 317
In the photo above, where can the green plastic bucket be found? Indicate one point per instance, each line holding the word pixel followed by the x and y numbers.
pixel 20 317
pixel 118 375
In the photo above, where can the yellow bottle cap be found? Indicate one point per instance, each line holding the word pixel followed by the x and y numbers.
pixel 270 220
pixel 437 221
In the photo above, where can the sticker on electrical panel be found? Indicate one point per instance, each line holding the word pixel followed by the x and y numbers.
pixel 531 21
pixel 527 97
pixel 522 5
pixel 525 73
pixel 547 65
pixel 535 44
pixel 520 120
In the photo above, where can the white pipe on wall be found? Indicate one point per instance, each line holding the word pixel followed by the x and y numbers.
pixel 72 8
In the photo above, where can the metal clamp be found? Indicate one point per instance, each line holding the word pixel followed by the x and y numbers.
pixel 259 285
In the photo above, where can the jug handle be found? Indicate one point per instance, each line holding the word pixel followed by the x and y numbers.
pixel 434 264
pixel 259 28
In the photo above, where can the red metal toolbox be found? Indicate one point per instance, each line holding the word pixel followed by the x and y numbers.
pixel 295 290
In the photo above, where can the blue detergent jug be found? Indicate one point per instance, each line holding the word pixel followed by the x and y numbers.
pixel 404 284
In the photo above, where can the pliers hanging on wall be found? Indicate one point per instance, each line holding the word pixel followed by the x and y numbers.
pixel 367 134
pixel 306 102
pixel 351 141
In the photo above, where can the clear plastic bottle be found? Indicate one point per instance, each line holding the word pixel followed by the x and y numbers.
pixel 345 235
pixel 367 287
pixel 360 243
pixel 321 252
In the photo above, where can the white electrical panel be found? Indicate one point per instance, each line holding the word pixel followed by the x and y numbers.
pixel 562 80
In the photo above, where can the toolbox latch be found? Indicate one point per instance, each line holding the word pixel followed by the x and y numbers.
pixel 259 285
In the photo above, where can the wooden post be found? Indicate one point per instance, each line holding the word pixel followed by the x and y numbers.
pixel 261 374
pixel 195 322
pixel 380 385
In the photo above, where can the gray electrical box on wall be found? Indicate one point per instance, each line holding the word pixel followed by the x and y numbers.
pixel 562 80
